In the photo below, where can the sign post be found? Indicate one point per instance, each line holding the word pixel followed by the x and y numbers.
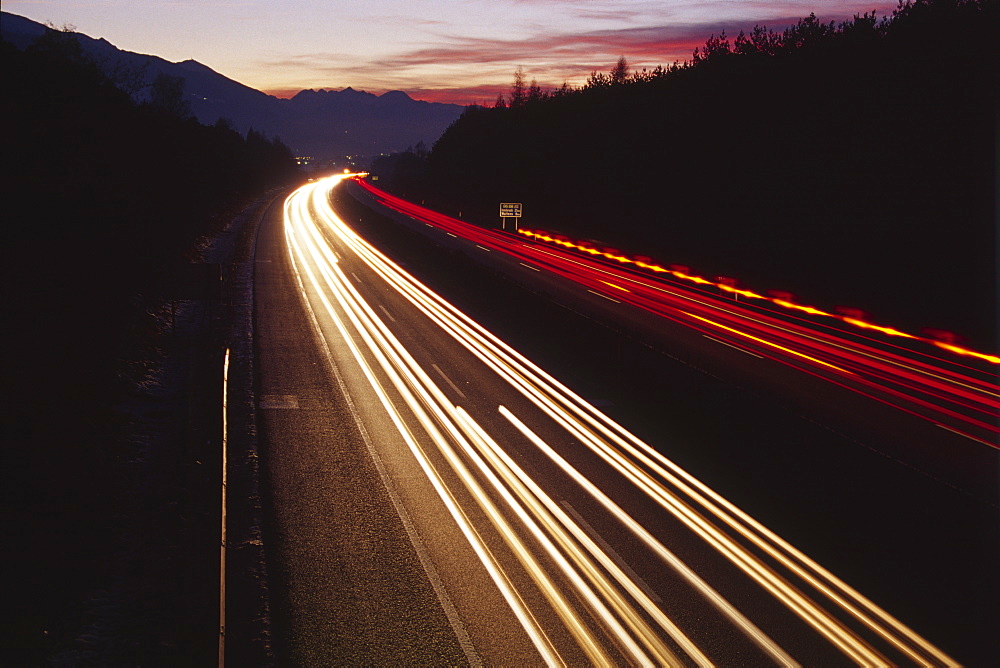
pixel 509 210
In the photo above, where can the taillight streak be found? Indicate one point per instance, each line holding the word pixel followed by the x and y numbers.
pixel 900 377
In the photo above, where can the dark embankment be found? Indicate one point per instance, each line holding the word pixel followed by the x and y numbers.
pixel 107 327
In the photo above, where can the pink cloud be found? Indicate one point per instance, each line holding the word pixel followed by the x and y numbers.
pixel 552 57
pixel 555 57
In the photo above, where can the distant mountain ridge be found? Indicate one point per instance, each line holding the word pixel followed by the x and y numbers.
pixel 320 123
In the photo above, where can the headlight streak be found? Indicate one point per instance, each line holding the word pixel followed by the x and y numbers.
pixel 806 609
pixel 416 381
pixel 512 373
pixel 558 523
pixel 493 568
pixel 592 413
pixel 800 347
pixel 635 459
pixel 759 637
pixel 513 489
pixel 409 379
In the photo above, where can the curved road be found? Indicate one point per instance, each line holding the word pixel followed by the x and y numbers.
pixel 438 499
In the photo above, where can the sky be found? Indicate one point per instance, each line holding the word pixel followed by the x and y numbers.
pixel 460 51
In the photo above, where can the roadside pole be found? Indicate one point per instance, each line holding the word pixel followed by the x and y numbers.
pixel 222 544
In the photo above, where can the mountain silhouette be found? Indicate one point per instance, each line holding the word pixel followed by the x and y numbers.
pixel 321 123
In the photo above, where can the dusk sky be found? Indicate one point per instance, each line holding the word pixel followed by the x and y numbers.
pixel 462 51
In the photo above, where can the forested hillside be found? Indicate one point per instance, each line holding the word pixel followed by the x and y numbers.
pixel 103 202
pixel 852 164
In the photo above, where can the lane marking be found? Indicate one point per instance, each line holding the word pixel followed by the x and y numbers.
pixel 600 294
pixel 769 343
pixel 611 552
pixel 955 431
pixel 529 266
pixel 742 350
pixel 484 248
pixel 448 380
pixel 386 312
pixel 278 401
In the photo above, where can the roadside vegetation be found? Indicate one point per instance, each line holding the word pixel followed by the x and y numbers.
pixel 105 205
pixel 850 163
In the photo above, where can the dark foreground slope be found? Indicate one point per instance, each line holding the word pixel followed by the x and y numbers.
pixel 852 164
pixel 107 328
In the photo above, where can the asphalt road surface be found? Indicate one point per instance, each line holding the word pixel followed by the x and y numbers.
pixel 349 585
pixel 436 498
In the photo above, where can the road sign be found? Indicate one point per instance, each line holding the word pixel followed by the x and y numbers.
pixel 510 209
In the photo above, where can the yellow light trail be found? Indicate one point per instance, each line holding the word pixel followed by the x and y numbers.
pixel 784 303
pixel 768 343
pixel 873 355
pixel 978 394
pixel 958 350
pixel 615 286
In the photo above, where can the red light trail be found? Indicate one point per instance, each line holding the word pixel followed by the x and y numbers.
pixel 955 397
pixel 725 287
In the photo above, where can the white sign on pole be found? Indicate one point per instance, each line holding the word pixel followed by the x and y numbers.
pixel 510 209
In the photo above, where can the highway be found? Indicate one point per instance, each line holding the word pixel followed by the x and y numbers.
pixel 546 532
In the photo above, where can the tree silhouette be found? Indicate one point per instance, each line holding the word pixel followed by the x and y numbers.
pixel 797 151
pixel 518 95
pixel 166 95
pixel 620 72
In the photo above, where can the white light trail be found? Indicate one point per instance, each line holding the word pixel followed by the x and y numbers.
pixel 298 225
pixel 608 596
